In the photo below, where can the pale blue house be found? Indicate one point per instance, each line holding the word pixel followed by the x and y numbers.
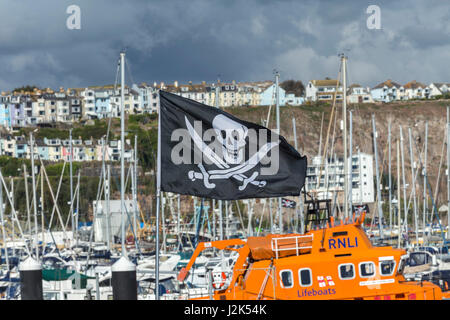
pixel 386 91
pixel 5 119
pixel 102 104
pixel 21 150
pixel 268 96
pixel 17 114
pixel 42 149
pixel 292 100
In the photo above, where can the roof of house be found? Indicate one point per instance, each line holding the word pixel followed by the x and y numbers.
pixel 414 85
pixel 326 83
pixel 440 84
pixel 388 83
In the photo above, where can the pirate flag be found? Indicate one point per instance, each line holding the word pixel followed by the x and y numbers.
pixel 286 203
pixel 209 153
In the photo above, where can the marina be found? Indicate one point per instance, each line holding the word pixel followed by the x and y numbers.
pixel 331 246
pixel 193 152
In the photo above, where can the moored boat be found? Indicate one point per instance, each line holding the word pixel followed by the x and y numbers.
pixel 336 262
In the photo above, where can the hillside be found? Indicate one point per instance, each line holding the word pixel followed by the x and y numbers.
pixel 411 114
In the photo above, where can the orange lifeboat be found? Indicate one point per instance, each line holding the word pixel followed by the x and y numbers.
pixel 337 262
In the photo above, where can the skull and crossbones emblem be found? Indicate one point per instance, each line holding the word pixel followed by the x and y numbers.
pixel 232 137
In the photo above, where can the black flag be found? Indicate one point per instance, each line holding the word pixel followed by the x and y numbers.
pixel 209 153
pixel 286 203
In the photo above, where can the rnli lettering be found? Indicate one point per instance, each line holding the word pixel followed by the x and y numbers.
pixel 342 243
pixel 312 293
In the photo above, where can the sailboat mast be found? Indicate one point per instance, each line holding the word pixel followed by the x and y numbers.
pixel 405 209
pixel 277 90
pixel 413 181
pixel 108 209
pixel 42 210
pixel 220 221
pixel 78 207
pixel 5 247
pixel 299 214
pixel 399 216
pixel 12 219
pixel 425 182
pixel 34 195
pixel 380 211
pixel 448 173
pixel 344 116
pixel 134 180
pixel 72 221
pixel 122 149
pixel 390 177
pixel 27 197
pixel 350 164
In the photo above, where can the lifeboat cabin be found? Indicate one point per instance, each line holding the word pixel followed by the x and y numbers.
pixel 335 262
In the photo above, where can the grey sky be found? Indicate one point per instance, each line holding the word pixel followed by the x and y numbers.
pixel 241 40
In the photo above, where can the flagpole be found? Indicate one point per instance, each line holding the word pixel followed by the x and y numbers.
pixel 158 195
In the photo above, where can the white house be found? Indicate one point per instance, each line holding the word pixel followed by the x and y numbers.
pixel 386 91
pixel 437 89
pixel 323 90
pixel 359 94
pixel 88 108
pixel 414 90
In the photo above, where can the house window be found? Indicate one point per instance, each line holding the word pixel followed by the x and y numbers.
pixel 387 267
pixel 346 271
pixel 286 278
pixel 305 277
pixel 366 269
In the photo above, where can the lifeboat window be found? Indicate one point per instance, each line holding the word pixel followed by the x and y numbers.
pixel 419 259
pixel 387 267
pixel 305 277
pixel 286 279
pixel 402 264
pixel 366 269
pixel 346 271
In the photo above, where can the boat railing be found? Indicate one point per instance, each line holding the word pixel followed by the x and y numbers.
pixel 299 244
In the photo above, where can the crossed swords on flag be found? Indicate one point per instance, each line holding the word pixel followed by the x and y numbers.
pixel 226 171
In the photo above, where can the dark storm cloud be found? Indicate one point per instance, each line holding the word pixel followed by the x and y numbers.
pixel 238 40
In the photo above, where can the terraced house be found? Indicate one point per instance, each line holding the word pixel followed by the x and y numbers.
pixel 324 90
pixel 386 91
pixel 59 150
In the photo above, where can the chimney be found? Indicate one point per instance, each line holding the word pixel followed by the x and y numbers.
pixel 175 84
